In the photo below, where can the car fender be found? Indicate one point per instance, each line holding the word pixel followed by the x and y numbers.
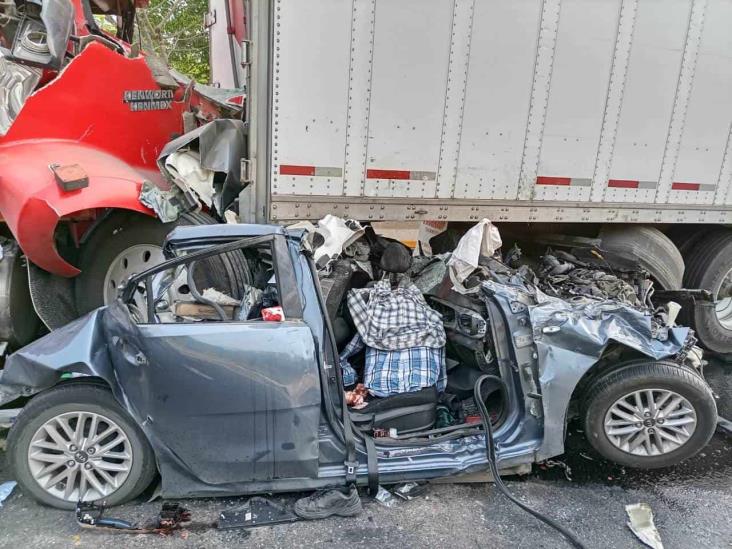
pixel 108 114
pixel 77 350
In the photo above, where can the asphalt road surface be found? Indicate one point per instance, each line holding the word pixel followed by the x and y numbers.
pixel 692 504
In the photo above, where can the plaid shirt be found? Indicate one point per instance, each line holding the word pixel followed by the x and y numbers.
pixel 393 372
pixel 395 320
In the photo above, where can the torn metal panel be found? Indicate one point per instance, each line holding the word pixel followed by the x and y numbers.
pixel 569 337
pixel 168 205
pixel 77 349
pixel 220 148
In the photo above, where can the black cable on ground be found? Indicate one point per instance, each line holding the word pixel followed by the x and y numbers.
pixel 491 452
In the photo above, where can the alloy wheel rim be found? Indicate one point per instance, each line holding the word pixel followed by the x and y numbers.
pixel 650 422
pixel 132 260
pixel 723 305
pixel 80 456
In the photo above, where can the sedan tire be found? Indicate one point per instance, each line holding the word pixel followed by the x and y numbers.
pixel 649 414
pixel 74 442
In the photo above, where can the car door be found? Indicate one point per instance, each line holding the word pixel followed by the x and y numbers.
pixel 224 401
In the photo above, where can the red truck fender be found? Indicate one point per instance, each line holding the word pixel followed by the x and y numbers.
pixel 32 202
pixel 104 112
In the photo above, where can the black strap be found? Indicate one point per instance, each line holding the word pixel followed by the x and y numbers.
pixel 373 464
pixel 351 462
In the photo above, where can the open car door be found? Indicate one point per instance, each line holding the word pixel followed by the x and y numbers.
pixel 224 401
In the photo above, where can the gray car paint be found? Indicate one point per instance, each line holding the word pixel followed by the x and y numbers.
pixel 541 371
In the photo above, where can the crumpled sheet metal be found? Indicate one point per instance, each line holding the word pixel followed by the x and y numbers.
pixel 571 336
pixel 220 144
pixel 167 205
pixel 577 332
pixel 84 353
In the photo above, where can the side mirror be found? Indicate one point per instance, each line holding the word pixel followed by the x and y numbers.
pixel 43 33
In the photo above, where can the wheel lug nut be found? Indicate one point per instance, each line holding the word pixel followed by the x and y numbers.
pixel 73 448
pixel 651 430
pixel 639 425
pixel 90 451
pixel 88 466
pixel 70 463
pixel 660 420
pixel 647 414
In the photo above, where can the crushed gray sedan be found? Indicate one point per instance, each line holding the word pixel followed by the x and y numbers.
pixel 240 389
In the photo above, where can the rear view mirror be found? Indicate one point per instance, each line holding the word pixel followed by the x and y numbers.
pixel 43 33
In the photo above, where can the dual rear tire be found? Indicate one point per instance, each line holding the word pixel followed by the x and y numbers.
pixel 709 266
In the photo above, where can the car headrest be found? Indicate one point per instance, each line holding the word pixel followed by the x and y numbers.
pixel 396 258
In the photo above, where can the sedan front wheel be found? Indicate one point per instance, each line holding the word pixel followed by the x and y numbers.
pixel 649 414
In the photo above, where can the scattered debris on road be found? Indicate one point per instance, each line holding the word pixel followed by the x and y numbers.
pixel 258 511
pixel 642 525
pixel 6 488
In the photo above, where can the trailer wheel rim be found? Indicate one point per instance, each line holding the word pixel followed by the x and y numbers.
pixel 80 456
pixel 723 305
pixel 132 260
pixel 650 422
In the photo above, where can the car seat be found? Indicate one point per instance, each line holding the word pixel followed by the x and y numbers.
pixel 405 412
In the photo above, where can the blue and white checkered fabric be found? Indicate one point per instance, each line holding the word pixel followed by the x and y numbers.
pixel 395 319
pixel 349 374
pixel 393 372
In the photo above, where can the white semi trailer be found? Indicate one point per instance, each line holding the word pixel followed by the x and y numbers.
pixel 599 118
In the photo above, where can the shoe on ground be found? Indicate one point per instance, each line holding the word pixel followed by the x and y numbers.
pixel 326 503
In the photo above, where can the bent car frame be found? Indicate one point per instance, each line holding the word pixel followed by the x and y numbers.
pixel 174 377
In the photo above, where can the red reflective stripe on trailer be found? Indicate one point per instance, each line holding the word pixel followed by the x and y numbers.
pixel 543 180
pixel 286 169
pixel 623 183
pixel 678 186
pixel 388 174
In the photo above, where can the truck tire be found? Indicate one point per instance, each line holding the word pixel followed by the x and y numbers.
pixel 624 425
pixel 686 237
pixel 127 242
pixel 709 267
pixel 652 249
pixel 19 323
pixel 48 427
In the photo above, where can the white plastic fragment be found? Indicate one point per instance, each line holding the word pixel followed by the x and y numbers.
pixel 428 230
pixel 185 167
pixel 337 236
pixel 482 239
pixel 6 488
pixel 212 294
pixel 385 498
pixel 642 525
pixel 673 312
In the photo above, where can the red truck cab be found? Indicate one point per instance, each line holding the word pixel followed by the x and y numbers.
pixel 85 116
